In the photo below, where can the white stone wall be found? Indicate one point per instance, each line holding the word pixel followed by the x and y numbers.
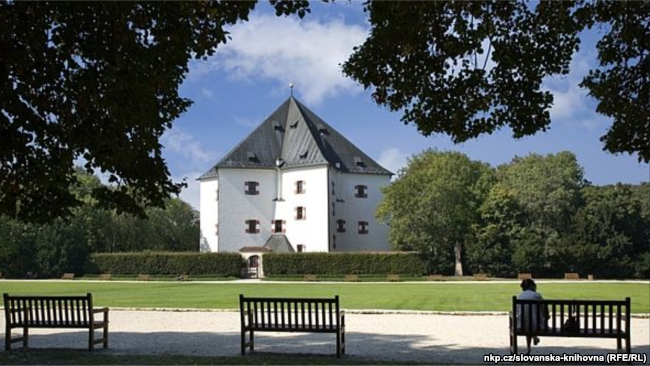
pixel 209 214
pixel 316 232
pixel 235 207
pixel 354 209
pixel 311 232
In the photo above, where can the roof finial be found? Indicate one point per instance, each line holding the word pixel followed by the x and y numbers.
pixel 291 87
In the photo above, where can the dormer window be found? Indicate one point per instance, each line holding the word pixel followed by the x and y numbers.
pixel 359 162
pixel 322 129
pixel 300 187
pixel 294 124
pixel 251 156
pixel 251 188
pixel 277 126
pixel 304 154
pixel 361 191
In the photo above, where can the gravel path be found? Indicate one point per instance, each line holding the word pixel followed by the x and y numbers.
pixel 430 338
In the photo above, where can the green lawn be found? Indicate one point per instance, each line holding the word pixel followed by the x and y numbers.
pixel 484 296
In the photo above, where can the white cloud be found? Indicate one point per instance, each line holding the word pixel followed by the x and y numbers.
pixel 393 159
pixel 191 194
pixel 283 50
pixel 248 122
pixel 571 104
pixel 207 93
pixel 179 142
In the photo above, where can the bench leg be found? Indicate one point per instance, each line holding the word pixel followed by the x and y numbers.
pixel 252 340
pixel 343 334
pixel 25 337
pixel 8 339
pixel 619 345
pixel 91 338
pixel 105 343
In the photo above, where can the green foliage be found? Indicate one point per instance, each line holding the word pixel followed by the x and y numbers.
pixel 157 263
pixel 466 68
pixel 98 82
pixel 409 264
pixel 47 250
pixel 433 204
pixel 539 217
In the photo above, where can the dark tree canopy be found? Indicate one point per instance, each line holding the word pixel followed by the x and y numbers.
pixel 96 83
pixel 429 59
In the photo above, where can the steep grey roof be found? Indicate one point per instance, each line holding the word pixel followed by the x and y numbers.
pixel 300 138
pixel 279 243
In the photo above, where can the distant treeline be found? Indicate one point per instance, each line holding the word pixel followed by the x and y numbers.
pixel 535 214
pixel 47 250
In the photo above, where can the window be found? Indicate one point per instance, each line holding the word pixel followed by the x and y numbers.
pixel 301 213
pixel 333 209
pixel 361 191
pixel 216 229
pixel 252 188
pixel 333 241
pixel 363 227
pixel 301 248
pixel 278 226
pixel 300 187
pixel 340 226
pixel 252 226
pixel 217 195
pixel 333 190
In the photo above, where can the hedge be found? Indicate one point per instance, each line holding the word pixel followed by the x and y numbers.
pixel 404 263
pixel 166 263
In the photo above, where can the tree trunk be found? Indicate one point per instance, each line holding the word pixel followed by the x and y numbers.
pixel 458 248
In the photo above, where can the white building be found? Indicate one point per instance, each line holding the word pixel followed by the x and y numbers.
pixel 293 185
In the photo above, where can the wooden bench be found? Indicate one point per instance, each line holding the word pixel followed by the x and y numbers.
pixel 435 277
pixel 308 315
pixel 589 319
pixel 352 278
pixel 142 277
pixel 105 277
pixel 182 277
pixel 392 278
pixel 480 277
pixel 310 277
pixel 67 276
pixel 525 276
pixel 53 312
pixel 571 276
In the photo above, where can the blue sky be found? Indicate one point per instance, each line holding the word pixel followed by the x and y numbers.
pixel 247 79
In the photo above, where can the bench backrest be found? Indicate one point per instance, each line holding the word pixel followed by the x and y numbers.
pixel 588 315
pixel 286 313
pixel 48 310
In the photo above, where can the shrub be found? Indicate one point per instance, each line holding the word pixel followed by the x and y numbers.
pixel 166 263
pixel 403 263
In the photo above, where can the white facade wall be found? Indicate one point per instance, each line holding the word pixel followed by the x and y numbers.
pixel 324 203
pixel 235 207
pixel 209 214
pixel 313 231
pixel 354 209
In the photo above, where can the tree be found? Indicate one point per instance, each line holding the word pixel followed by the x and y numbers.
pixel 466 68
pixel 609 234
pixel 501 220
pixel 547 187
pixel 98 82
pixel 433 204
pixel 548 190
